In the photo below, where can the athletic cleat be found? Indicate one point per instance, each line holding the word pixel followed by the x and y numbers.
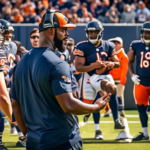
pixel 98 135
pixel 86 117
pixel 119 125
pixel 107 113
pixel 141 136
pixel 2 146
pixel 22 142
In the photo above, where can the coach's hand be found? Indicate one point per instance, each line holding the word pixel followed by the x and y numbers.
pixel 101 102
pixel 135 79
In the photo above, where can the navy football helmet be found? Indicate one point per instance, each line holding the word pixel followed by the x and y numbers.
pixel 7 26
pixel 145 27
pixel 2 39
pixel 93 26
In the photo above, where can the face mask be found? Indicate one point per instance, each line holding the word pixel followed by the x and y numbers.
pixel 59 43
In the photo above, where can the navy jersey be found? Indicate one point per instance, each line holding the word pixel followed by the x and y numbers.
pixel 35 86
pixel 10 51
pixel 64 56
pixel 92 53
pixel 142 53
pixel 3 60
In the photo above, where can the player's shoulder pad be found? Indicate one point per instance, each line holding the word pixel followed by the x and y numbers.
pixel 81 48
pixel 136 43
pixel 13 45
pixel 111 44
pixel 82 45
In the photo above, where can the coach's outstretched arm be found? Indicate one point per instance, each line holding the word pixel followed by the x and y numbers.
pixel 18 116
pixel 69 104
pixel 5 103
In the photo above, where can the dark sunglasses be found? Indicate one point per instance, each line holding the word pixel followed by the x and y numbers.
pixel 33 37
pixel 69 44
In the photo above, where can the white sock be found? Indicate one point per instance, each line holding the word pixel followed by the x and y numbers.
pixel 96 126
pixel 20 134
pixel 145 131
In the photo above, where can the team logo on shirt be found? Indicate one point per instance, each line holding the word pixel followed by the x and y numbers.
pixel 147 48
pixel 66 79
pixel 62 57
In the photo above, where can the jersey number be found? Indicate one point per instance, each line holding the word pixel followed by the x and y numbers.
pixel 145 63
pixel 11 59
pixel 102 53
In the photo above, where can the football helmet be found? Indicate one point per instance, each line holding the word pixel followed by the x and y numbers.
pixel 145 27
pixel 93 26
pixel 2 39
pixel 7 28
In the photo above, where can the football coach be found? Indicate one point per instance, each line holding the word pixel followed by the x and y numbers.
pixel 42 98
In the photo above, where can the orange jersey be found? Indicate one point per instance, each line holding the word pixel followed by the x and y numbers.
pixel 121 72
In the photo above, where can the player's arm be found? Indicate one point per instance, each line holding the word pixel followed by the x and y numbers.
pixel 69 104
pixel 61 87
pixel 5 103
pixel 131 57
pixel 115 61
pixel 18 116
pixel 80 65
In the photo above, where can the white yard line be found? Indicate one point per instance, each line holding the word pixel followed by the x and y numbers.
pixel 81 124
pixel 128 116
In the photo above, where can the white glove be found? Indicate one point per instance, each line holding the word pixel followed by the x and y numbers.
pixel 135 79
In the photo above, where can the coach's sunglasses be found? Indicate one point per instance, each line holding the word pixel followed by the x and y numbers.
pixel 33 37
pixel 69 44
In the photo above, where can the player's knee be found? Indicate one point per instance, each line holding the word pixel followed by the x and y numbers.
pixel 111 88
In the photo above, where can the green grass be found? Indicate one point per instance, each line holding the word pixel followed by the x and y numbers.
pixel 88 133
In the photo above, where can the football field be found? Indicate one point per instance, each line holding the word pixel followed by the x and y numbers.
pixel 88 133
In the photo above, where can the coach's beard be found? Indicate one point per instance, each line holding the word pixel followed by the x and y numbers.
pixel 59 43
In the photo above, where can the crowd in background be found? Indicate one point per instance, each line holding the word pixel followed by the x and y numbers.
pixel 77 11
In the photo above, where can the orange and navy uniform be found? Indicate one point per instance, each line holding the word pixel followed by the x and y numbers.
pixel 121 72
pixel 142 53
pixel 92 54
pixel 3 60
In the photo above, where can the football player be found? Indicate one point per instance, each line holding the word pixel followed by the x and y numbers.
pixel 95 58
pixel 140 52
pixel 10 50
pixel 5 105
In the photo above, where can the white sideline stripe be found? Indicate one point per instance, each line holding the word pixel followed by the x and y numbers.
pixel 130 116
pixel 133 116
pixel 81 124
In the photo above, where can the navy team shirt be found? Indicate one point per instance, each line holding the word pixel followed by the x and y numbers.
pixel 142 52
pixel 38 78
pixel 65 56
pixel 92 53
